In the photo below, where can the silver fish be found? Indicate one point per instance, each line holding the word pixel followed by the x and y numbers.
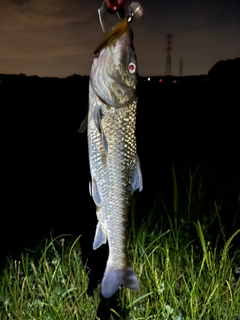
pixel 114 164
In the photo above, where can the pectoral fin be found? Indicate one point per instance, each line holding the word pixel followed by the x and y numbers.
pixel 137 182
pixel 97 116
pixel 104 141
pixel 100 237
pixel 90 188
pixel 95 193
pixel 83 125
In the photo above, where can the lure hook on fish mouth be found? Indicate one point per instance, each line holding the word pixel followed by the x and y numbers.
pixel 135 11
pixel 110 6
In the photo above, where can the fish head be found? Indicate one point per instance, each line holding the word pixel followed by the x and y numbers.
pixel 114 72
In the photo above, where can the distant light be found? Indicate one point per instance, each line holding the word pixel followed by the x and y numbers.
pixel 160 80
pixel 149 78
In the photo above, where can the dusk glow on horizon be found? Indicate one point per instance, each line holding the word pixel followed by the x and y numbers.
pixel 56 38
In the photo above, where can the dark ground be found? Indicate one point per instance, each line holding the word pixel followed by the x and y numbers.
pixel 45 170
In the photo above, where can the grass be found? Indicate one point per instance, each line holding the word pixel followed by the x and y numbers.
pixel 52 287
pixel 184 273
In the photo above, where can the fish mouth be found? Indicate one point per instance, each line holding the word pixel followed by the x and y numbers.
pixel 110 79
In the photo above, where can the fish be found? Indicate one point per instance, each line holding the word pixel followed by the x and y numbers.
pixel 114 164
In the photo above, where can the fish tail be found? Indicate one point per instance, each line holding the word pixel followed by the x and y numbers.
pixel 113 278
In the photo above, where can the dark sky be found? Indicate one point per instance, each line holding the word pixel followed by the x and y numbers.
pixel 57 37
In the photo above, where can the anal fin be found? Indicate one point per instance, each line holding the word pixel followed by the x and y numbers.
pixel 100 237
pixel 137 181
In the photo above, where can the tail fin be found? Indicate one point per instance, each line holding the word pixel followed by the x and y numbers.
pixel 112 279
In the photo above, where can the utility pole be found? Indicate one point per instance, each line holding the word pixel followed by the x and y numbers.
pixel 181 68
pixel 169 58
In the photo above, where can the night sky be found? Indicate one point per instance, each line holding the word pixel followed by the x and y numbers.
pixel 57 37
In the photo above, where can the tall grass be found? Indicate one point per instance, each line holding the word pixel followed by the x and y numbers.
pixel 184 272
pixel 52 287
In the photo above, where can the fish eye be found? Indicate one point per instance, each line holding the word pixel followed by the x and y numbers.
pixel 131 67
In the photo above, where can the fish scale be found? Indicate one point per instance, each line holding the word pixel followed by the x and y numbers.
pixel 114 164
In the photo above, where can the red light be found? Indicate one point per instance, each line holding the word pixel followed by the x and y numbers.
pixel 160 80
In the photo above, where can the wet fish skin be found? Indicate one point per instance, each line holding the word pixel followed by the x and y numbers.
pixel 114 164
